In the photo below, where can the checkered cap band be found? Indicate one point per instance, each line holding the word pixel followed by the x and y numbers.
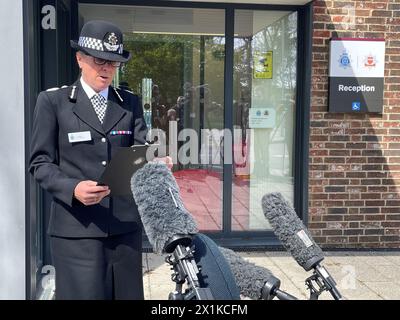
pixel 91 43
pixel 96 44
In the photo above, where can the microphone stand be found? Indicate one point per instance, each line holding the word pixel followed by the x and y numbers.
pixel 323 282
pixel 185 270
pixel 320 280
pixel 270 290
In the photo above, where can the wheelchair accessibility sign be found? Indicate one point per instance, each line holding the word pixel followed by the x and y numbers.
pixel 356 106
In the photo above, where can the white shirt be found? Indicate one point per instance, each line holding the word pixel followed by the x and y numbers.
pixel 90 92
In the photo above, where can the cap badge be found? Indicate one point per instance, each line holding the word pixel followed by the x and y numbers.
pixel 111 42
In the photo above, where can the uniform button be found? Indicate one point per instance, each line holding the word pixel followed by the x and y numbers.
pixel 104 163
pixel 103 139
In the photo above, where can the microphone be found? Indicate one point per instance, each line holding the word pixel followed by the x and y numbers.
pixel 215 270
pixel 165 219
pixel 291 231
pixel 171 228
pixel 254 281
pixel 195 259
pixel 295 237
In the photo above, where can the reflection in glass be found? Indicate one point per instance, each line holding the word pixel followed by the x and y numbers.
pixel 265 50
pixel 178 70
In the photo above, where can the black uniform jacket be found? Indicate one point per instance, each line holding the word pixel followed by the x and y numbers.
pixel 59 165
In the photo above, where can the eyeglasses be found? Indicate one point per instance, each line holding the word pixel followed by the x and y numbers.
pixel 101 62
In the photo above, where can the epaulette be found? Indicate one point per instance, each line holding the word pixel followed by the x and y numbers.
pixel 126 90
pixel 56 88
pixel 53 89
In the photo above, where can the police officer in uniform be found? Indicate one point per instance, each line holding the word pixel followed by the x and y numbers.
pixel 95 239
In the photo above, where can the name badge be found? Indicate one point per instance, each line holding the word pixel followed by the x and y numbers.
pixel 79 136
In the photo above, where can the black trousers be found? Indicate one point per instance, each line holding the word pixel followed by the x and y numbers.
pixel 98 268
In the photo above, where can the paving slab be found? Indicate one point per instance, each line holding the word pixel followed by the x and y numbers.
pixel 359 275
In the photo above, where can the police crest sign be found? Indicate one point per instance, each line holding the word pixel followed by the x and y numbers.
pixel 356 75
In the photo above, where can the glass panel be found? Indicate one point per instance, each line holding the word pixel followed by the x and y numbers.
pixel 265 52
pixel 178 70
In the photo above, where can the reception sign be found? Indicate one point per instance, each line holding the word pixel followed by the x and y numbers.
pixel 356 75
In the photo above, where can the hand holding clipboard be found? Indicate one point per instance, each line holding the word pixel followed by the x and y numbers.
pixel 117 175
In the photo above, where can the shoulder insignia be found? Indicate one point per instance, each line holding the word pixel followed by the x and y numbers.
pixel 118 95
pixel 73 94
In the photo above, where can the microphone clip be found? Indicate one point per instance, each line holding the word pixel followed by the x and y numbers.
pixel 321 281
pixel 185 270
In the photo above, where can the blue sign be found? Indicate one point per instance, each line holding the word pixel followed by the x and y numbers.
pixel 356 106
pixel 344 60
pixel 262 118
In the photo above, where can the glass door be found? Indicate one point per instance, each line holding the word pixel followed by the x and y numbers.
pixel 265 60
pixel 178 71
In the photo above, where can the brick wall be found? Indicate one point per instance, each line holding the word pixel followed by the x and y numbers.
pixel 354 177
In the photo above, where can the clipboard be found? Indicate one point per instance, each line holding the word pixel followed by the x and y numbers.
pixel 118 173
